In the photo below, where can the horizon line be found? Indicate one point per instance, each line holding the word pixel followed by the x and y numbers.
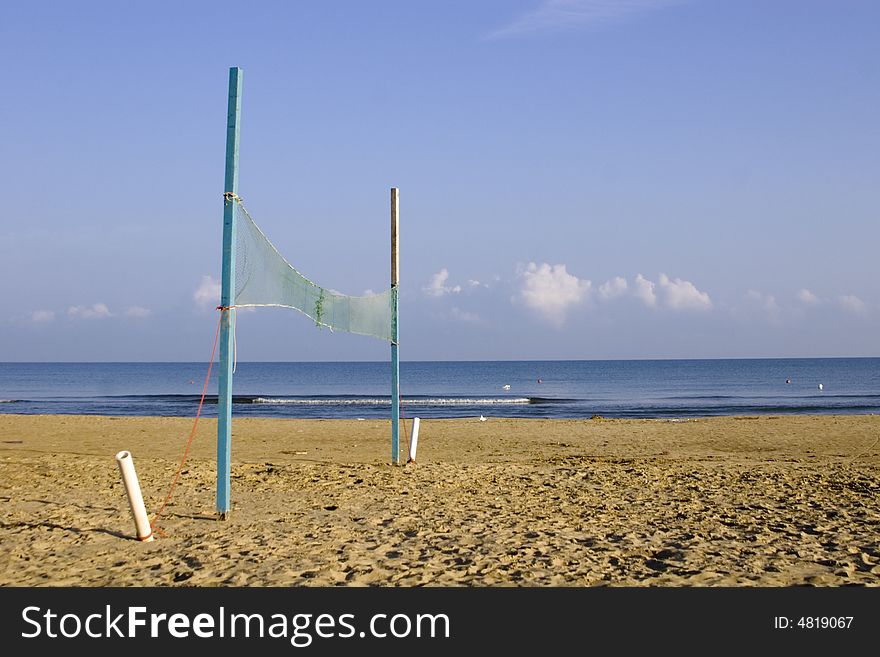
pixel 491 360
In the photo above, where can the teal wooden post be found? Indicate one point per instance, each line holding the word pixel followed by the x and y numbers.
pixel 395 328
pixel 227 294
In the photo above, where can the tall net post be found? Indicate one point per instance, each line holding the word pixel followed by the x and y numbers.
pixel 395 329
pixel 227 294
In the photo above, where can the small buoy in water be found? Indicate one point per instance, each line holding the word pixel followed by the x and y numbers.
pixel 506 386
pixel 821 386
pixel 788 381
pixel 539 380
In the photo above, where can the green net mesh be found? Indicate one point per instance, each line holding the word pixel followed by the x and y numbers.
pixel 264 278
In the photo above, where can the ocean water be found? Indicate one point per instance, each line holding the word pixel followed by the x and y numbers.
pixel 554 389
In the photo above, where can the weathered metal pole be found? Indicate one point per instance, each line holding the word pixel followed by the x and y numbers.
pixel 395 328
pixel 227 294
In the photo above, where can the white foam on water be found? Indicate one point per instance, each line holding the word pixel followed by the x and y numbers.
pixel 366 401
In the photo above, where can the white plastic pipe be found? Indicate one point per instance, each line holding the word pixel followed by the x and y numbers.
pixel 135 499
pixel 414 443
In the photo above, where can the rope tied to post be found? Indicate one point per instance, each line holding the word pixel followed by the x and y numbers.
pixel 153 525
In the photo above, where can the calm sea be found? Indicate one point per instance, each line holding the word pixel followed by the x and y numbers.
pixel 558 389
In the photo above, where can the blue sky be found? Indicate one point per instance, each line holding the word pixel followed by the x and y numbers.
pixel 579 178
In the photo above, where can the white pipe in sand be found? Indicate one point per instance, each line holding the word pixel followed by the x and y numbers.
pixel 135 499
pixel 414 443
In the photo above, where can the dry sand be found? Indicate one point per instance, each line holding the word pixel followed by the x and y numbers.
pixel 770 501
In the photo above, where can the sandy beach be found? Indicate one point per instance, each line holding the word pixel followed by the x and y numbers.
pixel 747 501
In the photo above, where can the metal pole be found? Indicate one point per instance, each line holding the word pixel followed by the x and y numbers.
pixel 395 328
pixel 227 293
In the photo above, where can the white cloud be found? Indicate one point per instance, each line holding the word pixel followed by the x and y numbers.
pixel 852 303
pixel 807 297
pixel 95 311
pixel 437 287
pixel 613 288
pixel 137 311
pixel 683 295
pixel 368 292
pixel 760 306
pixel 208 292
pixel 766 301
pixel 644 290
pixel 43 316
pixel 465 316
pixel 475 283
pixel 551 291
pixel 554 15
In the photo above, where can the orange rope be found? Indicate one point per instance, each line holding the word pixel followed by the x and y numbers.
pixel 192 433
